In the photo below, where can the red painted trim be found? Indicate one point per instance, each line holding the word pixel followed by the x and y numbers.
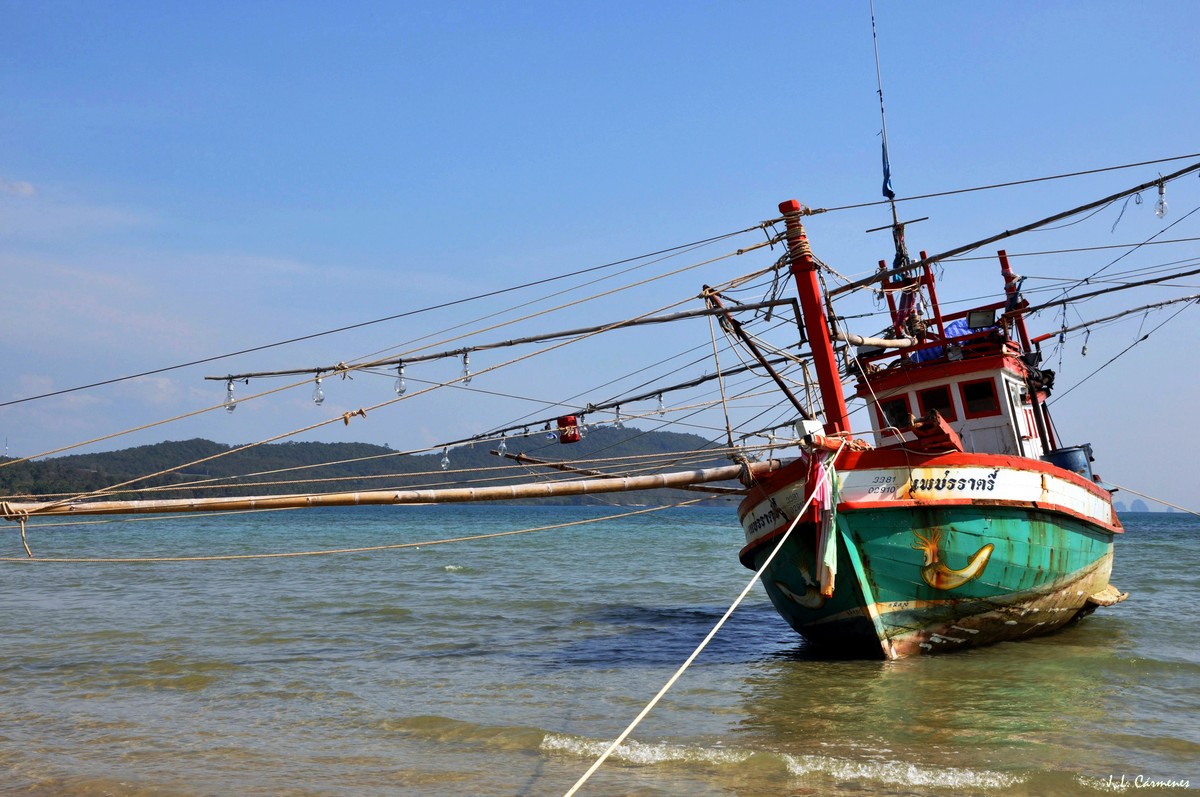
pixel 762 489
pixel 919 373
pixel 880 458
pixel 850 506
pixel 744 555
pixel 931 286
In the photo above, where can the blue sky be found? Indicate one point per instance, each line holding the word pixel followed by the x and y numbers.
pixel 182 180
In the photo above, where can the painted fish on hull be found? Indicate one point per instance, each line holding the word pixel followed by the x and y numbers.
pixel 936 574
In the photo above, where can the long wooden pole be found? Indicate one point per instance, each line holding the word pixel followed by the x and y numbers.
pixel 816 327
pixel 616 484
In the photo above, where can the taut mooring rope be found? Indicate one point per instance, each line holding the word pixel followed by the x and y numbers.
pixel 1159 500
pixel 704 643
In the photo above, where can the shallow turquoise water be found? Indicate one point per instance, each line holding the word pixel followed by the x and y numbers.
pixel 505 666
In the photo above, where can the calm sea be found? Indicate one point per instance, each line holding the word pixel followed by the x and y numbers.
pixel 505 666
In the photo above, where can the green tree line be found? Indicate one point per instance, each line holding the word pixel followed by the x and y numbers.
pixel 288 468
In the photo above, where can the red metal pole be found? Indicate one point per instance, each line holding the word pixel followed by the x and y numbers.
pixel 1040 414
pixel 931 284
pixel 1010 289
pixel 816 327
pixel 891 300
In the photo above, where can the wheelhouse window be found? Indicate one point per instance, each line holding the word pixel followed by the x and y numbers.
pixel 937 398
pixel 979 398
pixel 895 412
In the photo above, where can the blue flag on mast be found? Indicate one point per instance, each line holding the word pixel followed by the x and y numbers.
pixel 887 174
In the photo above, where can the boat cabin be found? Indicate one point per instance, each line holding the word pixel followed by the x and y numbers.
pixel 975 369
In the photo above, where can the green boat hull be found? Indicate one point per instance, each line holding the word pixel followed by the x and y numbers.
pixel 914 581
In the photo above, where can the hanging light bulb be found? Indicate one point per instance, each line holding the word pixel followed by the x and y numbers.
pixel 617 421
pixel 230 402
pixel 662 408
pixel 318 393
pixel 502 449
pixel 1085 342
pixel 445 458
pixel 401 382
pixel 466 374
pixel 1160 207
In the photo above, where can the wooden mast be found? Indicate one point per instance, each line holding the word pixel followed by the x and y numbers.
pixel 816 327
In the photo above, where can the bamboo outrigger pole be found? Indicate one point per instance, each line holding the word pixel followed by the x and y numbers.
pixel 615 484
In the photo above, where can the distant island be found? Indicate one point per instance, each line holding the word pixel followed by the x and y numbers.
pixel 1138 505
pixel 280 468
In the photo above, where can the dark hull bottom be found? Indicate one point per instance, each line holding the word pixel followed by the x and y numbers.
pixel 929 629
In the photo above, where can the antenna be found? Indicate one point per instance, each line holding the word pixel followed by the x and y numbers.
pixel 902 258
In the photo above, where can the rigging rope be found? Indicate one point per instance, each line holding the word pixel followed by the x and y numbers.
pixel 721 383
pixel 1134 248
pixel 1012 255
pixel 335 551
pixel 563 292
pixel 884 275
pixel 1119 354
pixel 406 314
pixel 408 356
pixel 345 417
pixel 1006 185
pixel 497 472
pixel 1159 500
pixel 142 428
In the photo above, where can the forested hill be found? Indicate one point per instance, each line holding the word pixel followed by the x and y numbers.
pixel 287 467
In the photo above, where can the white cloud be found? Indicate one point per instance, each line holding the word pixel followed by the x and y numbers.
pixel 16 188
pixel 158 391
pixel 39 218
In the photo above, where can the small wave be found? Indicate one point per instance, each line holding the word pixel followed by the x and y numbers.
pixel 464 569
pixel 900 773
pixel 883 772
pixel 639 753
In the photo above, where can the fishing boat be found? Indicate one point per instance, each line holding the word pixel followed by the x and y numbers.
pixel 962 521
pixel 957 519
